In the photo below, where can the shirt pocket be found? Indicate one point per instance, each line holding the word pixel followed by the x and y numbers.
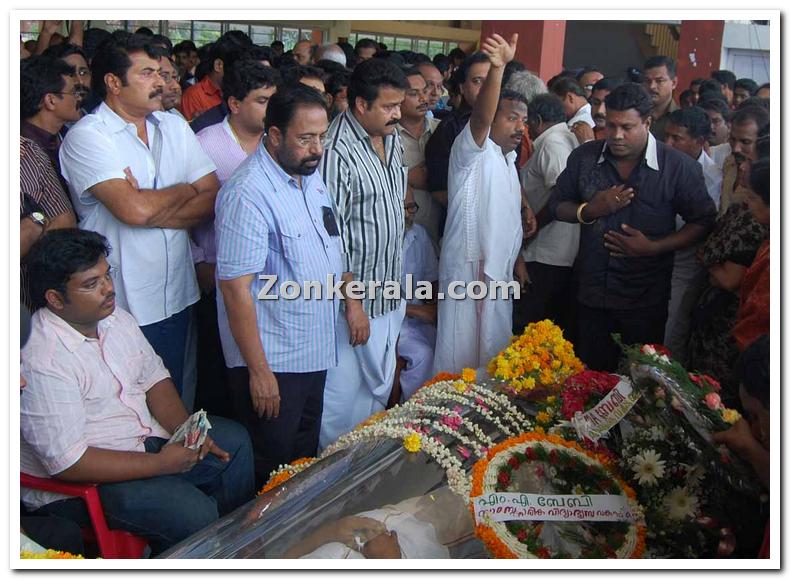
pixel 294 245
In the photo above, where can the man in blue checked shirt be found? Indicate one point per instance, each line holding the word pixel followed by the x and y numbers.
pixel 274 217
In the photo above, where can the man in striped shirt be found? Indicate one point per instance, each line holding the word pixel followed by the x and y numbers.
pixel 274 218
pixel 364 170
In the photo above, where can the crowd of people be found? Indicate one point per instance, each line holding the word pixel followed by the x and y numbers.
pixel 163 189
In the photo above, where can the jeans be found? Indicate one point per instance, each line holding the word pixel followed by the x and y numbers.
pixel 168 338
pixel 169 508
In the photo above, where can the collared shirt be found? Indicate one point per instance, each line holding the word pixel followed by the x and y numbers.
pixel 175 111
pixel 200 97
pixel 156 276
pixel 583 115
pixel 429 211
pixel 484 220
pixel 266 224
pixel 220 144
pixel 420 259
pixel 48 142
pixel 369 198
pixel 439 145
pixel 210 117
pixel 666 182
pixel 658 125
pixel 556 243
pixel 38 181
pixel 84 392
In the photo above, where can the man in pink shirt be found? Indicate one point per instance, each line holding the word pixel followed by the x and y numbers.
pixel 100 407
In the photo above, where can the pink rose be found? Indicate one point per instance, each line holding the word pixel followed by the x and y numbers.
pixel 713 401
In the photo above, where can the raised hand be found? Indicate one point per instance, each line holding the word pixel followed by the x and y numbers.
pixel 500 51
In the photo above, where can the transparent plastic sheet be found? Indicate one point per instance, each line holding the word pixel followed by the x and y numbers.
pixel 343 501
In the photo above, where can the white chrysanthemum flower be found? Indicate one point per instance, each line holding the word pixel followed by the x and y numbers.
pixel 648 467
pixel 656 433
pixel 695 474
pixel 681 504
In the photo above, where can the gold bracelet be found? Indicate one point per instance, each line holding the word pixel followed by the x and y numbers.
pixel 579 215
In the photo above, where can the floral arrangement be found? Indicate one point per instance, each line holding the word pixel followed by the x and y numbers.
pixel 539 358
pixel 570 469
pixel 451 421
pixel 285 472
pixel 49 554
pixel 677 493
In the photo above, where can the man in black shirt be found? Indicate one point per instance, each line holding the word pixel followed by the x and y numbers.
pixel 626 191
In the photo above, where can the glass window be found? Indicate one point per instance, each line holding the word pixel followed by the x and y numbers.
pixel 402 44
pixel 421 46
pixel 179 30
pixel 133 25
pixel 305 34
pixel 28 29
pixel 238 26
pixel 436 47
pixel 262 35
pixel 205 32
pixel 289 36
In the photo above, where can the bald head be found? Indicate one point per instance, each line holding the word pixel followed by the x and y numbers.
pixel 301 52
pixel 331 52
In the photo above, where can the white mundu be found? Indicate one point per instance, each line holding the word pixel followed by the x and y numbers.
pixel 483 234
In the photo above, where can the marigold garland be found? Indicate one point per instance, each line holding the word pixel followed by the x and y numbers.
pixel 49 555
pixel 285 472
pixel 494 543
pixel 540 357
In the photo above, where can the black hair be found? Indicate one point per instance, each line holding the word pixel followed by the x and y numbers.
pixel 412 71
pixel 366 43
pixel 661 60
pixel 694 120
pixel 228 48
pixel 460 74
pixel 64 50
pixel 92 38
pixel 717 105
pixel 685 99
pixel 763 86
pixel 710 88
pixel 294 74
pixel 259 53
pixel 754 102
pixel 58 255
pixel 762 143
pixel 696 82
pixel 511 95
pixel 331 67
pixel 759 178
pixel 240 37
pixel 564 74
pixel 607 84
pixel 634 74
pixel 348 50
pixel 145 31
pixel 113 57
pixel 757 115
pixel 185 46
pixel 371 75
pixel 748 85
pixel 753 370
pixel 204 63
pixel 382 46
pixel 630 96
pixel 587 69
pixel 337 81
pixel 546 108
pixel 724 77
pixel 284 104
pixel 246 75
pixel 457 54
pixel 442 63
pixel 566 85
pixel 164 41
pixel 278 43
pixel 39 76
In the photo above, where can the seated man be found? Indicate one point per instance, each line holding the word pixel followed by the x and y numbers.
pixel 100 406
pixel 419 329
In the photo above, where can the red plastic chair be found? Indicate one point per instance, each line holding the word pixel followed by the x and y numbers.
pixel 111 543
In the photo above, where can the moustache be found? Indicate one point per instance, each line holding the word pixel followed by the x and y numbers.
pixel 110 298
pixel 393 122
pixel 311 159
pixel 155 94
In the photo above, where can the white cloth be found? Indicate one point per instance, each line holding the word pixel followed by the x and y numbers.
pixel 416 538
pixel 417 338
pixel 556 243
pixel 686 269
pixel 156 277
pixel 361 383
pixel 483 235
pixel 719 153
pixel 334 551
pixel 582 115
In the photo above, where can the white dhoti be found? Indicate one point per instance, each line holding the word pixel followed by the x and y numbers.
pixel 416 346
pixel 470 332
pixel 361 383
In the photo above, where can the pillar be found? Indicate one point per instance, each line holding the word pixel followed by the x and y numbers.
pixel 540 46
pixel 699 50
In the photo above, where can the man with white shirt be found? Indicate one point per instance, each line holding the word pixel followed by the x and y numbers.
pixel 138 176
pixel 687 131
pixel 550 255
pixel 575 102
pixel 483 232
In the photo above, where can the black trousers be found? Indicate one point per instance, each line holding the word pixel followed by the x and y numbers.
pixel 549 295
pixel 596 347
pixel 211 393
pixel 294 433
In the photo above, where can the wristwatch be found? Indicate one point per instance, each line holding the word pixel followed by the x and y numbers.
pixel 38 218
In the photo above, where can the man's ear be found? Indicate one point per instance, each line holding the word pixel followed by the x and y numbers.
pixel 55 299
pixel 218 65
pixel 112 83
pixel 274 136
pixel 233 105
pixel 360 105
